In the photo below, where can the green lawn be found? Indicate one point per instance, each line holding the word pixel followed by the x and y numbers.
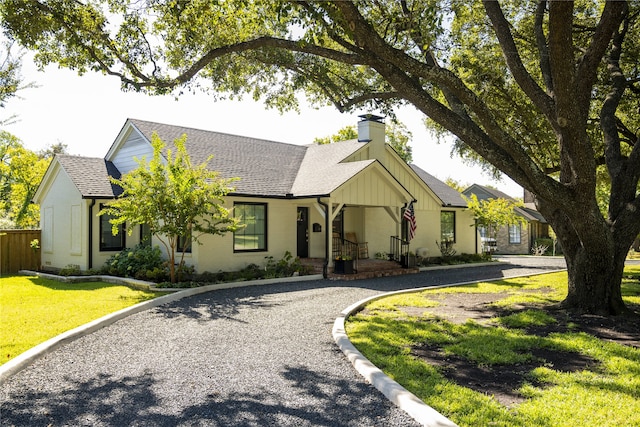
pixel 605 393
pixel 32 309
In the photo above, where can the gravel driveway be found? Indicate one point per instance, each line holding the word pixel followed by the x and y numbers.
pixel 254 356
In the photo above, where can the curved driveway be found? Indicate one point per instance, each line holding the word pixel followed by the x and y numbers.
pixel 254 356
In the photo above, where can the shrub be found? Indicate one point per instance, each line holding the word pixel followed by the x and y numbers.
pixel 187 278
pixel 251 272
pixel 470 258
pixel 140 262
pixel 185 272
pixel 285 267
pixel 382 255
pixel 157 274
pixel 208 277
pixel 463 258
pixel 70 270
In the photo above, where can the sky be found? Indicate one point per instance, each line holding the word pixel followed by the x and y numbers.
pixel 87 112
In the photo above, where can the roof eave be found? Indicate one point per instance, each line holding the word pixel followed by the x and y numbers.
pixel 277 196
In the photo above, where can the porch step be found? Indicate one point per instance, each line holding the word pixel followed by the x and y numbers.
pixel 398 271
pixel 367 269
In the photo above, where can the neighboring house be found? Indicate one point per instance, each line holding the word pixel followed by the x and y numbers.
pixel 516 238
pixel 298 198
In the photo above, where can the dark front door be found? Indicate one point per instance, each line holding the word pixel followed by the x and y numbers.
pixel 303 232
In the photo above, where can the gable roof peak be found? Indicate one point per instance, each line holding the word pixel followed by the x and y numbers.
pixel 91 175
pixel 493 192
pixel 265 167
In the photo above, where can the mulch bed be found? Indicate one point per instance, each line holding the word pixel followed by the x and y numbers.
pixel 503 381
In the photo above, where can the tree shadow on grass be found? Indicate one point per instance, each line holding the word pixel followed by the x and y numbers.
pixel 503 381
pixel 309 399
pixel 55 285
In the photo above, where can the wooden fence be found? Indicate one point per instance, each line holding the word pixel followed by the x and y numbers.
pixel 15 251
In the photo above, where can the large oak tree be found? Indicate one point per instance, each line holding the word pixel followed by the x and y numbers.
pixel 544 91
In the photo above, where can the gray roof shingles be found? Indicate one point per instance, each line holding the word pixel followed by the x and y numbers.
pixel 265 167
pixel 321 171
pixel 91 175
pixel 449 196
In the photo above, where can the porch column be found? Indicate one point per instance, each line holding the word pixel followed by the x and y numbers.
pixel 331 214
pixel 329 231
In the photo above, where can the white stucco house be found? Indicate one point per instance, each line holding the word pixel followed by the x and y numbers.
pixel 303 199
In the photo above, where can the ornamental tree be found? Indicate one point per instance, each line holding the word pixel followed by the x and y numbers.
pixel 494 213
pixel 174 198
pixel 542 91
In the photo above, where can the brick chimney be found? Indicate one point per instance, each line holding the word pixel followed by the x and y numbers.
pixel 371 129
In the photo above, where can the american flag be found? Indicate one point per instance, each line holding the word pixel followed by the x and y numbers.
pixel 410 216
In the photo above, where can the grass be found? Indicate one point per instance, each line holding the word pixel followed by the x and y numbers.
pixel 32 309
pixel 606 394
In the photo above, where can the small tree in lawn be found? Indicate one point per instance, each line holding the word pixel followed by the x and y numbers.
pixel 174 198
pixel 494 213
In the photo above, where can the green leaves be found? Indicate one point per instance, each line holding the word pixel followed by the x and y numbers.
pixel 20 173
pixel 543 92
pixel 494 213
pixel 173 197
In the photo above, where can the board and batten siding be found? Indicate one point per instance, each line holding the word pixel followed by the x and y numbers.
pixel 370 188
pixel 134 147
pixel 405 176
pixel 427 200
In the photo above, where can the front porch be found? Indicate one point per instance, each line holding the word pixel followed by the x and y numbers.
pixel 367 269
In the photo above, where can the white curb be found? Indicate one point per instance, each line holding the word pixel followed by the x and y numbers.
pixel 401 397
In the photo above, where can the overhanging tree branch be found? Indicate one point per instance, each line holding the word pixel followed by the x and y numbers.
pixel 543 49
pixel 510 51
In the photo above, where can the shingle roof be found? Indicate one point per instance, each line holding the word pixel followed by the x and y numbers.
pixel 448 195
pixel 492 192
pixel 528 212
pixel 321 171
pixel 266 167
pixel 91 175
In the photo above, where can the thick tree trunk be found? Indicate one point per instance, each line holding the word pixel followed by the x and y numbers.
pixel 595 277
pixel 595 262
